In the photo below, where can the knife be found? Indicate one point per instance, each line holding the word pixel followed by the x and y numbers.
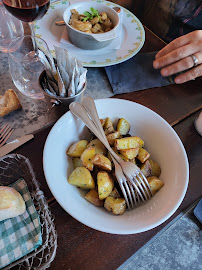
pixel 14 144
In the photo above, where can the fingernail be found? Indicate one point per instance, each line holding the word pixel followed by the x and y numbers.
pixel 156 56
pixel 156 64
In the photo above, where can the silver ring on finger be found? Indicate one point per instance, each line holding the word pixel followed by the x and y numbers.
pixel 195 60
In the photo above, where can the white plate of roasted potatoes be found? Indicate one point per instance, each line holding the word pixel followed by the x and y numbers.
pixel 80 173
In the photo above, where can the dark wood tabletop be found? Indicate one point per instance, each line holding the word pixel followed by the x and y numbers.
pixel 80 247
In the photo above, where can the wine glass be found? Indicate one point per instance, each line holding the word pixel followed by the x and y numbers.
pixel 27 10
pixel 25 70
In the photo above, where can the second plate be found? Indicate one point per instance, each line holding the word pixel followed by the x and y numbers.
pixel 133 37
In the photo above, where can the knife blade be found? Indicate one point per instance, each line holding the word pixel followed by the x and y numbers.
pixel 15 144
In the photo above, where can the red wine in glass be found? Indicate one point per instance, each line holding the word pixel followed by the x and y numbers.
pixel 27 10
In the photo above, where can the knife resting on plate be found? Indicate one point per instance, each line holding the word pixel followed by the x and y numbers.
pixel 7 148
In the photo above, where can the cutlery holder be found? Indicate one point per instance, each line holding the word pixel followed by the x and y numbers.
pixel 59 105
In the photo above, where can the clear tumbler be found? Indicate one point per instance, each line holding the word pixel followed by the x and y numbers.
pixel 10 28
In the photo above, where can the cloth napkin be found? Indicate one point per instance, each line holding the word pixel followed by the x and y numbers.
pixel 136 74
pixel 198 211
pixel 20 235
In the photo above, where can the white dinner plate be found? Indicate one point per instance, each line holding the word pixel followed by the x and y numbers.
pixel 133 36
pixel 162 143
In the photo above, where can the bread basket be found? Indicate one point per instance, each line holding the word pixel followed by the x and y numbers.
pixel 13 167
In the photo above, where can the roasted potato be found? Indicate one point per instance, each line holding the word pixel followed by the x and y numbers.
pixel 76 149
pixel 115 205
pixel 105 184
pixel 155 168
pixel 92 197
pixel 99 146
pixel 130 153
pixel 155 184
pixel 112 136
pixel 87 156
pixel 102 121
pixel 114 193
pixel 128 143
pixel 146 168
pixel 120 155
pixel 77 162
pixel 123 126
pixel 108 126
pixel 109 130
pixel 81 177
pixel 143 155
pixel 102 162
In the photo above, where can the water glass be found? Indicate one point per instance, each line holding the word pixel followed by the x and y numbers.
pixel 10 28
pixel 28 57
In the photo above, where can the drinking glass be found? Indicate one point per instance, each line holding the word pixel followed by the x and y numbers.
pixel 27 11
pixel 25 67
pixel 10 28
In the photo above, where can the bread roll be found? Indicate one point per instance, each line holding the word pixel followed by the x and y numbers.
pixel 9 102
pixel 11 203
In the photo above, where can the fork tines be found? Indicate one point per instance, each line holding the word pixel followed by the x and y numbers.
pixel 5 133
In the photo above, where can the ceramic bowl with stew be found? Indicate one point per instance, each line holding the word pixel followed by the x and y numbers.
pixel 90 41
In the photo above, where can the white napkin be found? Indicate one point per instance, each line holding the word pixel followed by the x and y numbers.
pixel 71 74
pixel 114 45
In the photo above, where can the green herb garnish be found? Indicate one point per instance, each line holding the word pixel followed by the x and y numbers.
pixel 90 16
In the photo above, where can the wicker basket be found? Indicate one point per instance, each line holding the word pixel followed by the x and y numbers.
pixel 13 167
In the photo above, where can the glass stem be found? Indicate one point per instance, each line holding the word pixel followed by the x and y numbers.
pixel 31 25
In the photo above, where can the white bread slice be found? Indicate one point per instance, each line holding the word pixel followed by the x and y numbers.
pixel 11 203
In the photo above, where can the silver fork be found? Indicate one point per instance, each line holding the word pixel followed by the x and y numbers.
pixel 77 109
pixel 132 172
pixel 129 188
pixel 5 134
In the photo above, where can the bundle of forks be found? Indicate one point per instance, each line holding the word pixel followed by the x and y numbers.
pixel 133 183
pixel 5 134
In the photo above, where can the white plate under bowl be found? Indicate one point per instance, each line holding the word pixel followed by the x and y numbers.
pixel 161 141
pixel 133 36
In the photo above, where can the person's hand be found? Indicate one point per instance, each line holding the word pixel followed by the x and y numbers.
pixel 181 55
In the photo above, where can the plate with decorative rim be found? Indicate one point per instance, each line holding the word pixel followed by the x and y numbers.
pixel 133 37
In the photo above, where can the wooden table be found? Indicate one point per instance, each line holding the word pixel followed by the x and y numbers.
pixel 80 247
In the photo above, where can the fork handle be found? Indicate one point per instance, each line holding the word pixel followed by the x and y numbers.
pixel 77 109
pixel 89 105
